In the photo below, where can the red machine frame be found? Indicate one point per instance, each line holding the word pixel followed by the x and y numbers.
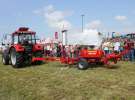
pixel 91 56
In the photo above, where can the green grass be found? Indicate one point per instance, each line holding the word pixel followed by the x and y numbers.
pixel 53 81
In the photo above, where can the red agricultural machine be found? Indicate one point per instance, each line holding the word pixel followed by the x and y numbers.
pixel 96 56
pixel 88 57
pixel 23 49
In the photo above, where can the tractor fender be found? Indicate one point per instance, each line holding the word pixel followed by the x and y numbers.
pixel 37 47
pixel 17 47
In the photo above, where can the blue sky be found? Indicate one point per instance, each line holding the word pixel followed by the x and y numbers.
pixel 105 15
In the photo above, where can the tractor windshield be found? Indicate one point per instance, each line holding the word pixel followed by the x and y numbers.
pixel 131 36
pixel 24 39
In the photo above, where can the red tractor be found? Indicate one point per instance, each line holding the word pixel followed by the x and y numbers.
pixel 22 49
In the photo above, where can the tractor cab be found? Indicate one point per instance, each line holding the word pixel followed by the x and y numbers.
pixel 23 36
pixel 131 36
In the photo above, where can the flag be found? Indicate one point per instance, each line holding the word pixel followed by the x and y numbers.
pixel 56 35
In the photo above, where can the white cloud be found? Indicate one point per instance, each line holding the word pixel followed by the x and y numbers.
pixel 120 18
pixel 55 18
pixel 94 24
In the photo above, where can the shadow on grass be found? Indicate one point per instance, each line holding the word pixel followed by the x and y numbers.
pixel 111 66
pixel 29 65
pixel 69 66
pixel 91 66
pixel 95 66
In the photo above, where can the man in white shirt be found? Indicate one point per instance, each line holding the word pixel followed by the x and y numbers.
pixel 116 47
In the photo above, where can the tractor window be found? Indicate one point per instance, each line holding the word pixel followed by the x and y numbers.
pixel 29 38
pixel 37 38
pixel 24 38
pixel 15 39
pixel 131 36
pixel 33 39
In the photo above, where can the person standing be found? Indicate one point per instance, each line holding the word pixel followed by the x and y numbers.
pixel 117 46
pixel 126 50
pixel 131 50
pixel 105 47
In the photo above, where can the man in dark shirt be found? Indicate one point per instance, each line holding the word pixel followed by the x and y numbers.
pixel 130 44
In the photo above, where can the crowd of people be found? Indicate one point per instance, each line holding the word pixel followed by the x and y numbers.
pixel 118 45
pixel 113 45
pixel 59 50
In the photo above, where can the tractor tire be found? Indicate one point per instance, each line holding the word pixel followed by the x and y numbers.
pixel 5 58
pixel 100 63
pixel 16 58
pixel 82 64
pixel 115 61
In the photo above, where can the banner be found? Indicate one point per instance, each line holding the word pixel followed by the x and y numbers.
pixel 56 35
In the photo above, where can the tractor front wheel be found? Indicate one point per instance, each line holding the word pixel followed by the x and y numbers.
pixel 82 64
pixel 16 58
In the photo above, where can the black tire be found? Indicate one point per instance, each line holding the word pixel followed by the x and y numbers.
pixel 5 58
pixel 115 61
pixel 100 63
pixel 83 64
pixel 16 58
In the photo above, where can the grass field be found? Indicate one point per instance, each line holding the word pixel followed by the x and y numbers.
pixel 52 81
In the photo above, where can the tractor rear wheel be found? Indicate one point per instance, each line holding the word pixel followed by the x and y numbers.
pixel 5 58
pixel 16 58
pixel 82 64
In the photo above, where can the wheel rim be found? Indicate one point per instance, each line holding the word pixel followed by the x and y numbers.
pixel 80 66
pixel 13 58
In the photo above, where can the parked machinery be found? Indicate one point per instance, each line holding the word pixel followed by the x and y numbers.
pixel 23 49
